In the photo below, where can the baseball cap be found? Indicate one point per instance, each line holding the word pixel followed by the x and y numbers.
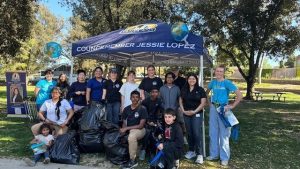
pixel 113 70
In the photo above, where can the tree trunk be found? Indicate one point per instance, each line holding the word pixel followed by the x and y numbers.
pixel 250 84
pixel 260 68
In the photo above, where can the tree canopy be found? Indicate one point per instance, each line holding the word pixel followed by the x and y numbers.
pixel 247 30
pixel 45 28
pixel 16 19
pixel 102 16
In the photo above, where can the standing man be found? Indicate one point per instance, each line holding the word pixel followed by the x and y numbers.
pixel 170 94
pixel 218 133
pixel 134 118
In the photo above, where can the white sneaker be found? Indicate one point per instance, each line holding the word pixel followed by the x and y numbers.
pixel 29 162
pixel 224 163
pixel 176 164
pixel 199 159
pixel 190 155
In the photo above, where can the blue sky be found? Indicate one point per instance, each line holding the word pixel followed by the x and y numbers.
pixel 57 9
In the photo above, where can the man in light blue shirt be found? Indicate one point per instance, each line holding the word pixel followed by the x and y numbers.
pixel 43 88
pixel 218 133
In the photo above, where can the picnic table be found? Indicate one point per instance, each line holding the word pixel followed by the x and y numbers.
pixel 279 95
pixel 258 95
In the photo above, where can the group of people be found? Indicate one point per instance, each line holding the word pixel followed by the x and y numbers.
pixel 177 104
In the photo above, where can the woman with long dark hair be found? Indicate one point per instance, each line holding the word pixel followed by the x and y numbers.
pixel 192 102
pixel 16 96
pixel 63 84
pixel 58 113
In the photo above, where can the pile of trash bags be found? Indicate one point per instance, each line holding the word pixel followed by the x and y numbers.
pixel 90 133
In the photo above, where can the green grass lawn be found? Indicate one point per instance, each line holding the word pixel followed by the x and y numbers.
pixel 269 136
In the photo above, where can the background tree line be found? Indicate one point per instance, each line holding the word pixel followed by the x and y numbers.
pixel 240 32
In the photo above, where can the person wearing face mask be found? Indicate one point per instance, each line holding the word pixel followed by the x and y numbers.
pixel 77 91
pixel 218 133
pixel 43 88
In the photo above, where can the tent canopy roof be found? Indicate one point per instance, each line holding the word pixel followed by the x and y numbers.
pixel 141 45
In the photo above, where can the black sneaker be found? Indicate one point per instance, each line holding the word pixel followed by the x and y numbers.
pixel 130 164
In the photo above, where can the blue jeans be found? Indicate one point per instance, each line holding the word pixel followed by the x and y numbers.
pixel 193 126
pixel 113 111
pixel 219 136
pixel 37 157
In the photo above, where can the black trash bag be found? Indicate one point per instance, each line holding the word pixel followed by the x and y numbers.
pixel 65 150
pixel 91 141
pixel 107 125
pixel 74 124
pixel 116 147
pixel 91 117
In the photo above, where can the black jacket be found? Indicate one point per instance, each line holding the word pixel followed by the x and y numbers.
pixel 176 139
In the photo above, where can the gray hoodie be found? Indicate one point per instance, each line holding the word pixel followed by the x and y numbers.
pixel 170 96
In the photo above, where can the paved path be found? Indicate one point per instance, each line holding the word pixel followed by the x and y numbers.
pixel 20 164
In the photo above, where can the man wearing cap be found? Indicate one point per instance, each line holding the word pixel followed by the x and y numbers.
pixel 43 88
pixel 112 96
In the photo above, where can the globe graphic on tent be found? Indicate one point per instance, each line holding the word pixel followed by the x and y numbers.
pixel 53 50
pixel 179 31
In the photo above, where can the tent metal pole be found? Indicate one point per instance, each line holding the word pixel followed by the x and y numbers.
pixel 201 83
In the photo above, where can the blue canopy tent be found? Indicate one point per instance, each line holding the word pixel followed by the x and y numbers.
pixel 144 44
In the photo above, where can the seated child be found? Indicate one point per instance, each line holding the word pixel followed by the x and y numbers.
pixel 172 144
pixel 40 145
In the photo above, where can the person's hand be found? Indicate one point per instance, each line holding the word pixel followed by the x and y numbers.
pixel 228 107
pixel 78 92
pixel 35 141
pixel 160 146
pixel 122 109
pixel 47 121
pixel 151 124
pixel 83 92
pixel 64 124
pixel 123 130
pixel 103 101
pixel 188 113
